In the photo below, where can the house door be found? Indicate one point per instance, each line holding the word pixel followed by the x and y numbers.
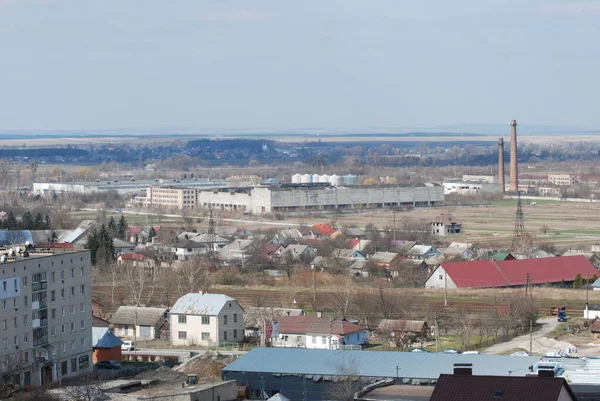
pixel 145 331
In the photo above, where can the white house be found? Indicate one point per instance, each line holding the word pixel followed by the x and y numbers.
pixel 591 312
pixel 185 249
pixel 139 322
pixel 206 319
pixel 317 332
pixel 122 247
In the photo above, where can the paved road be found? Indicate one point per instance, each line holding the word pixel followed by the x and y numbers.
pixel 548 325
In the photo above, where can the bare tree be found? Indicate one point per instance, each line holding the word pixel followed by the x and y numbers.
pixel 191 275
pixel 140 284
pixel 88 388
pixel 342 297
pixel 5 166
pixel 348 380
pixel 15 237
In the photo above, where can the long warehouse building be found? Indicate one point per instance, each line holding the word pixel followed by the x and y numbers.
pixel 300 197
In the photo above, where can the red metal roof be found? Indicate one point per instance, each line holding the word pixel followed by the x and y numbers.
pixel 131 256
pixel 489 273
pixel 323 229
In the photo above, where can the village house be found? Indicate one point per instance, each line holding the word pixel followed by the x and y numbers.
pixel 139 321
pixel 402 328
pixel 321 231
pixel 298 252
pixel 446 224
pixel 318 332
pixel 384 259
pixel 422 252
pixel 122 247
pixel 206 319
pixel 255 318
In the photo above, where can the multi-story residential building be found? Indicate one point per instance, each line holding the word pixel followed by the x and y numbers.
pixel 564 179
pixel 206 319
pixel 46 318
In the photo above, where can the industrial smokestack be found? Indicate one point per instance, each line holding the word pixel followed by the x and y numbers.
pixel 501 164
pixel 514 164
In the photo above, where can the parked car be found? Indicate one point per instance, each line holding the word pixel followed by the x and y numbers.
pixel 520 353
pixel 420 350
pixel 107 365
pixel 471 353
pixel 451 351
pixel 128 346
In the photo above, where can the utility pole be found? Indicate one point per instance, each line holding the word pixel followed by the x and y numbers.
pixel 445 288
pixel 135 344
pixel 394 214
pixel 437 334
pixel 313 285
pixel 526 285
pixel 397 374
pixel 530 336
pixel 587 287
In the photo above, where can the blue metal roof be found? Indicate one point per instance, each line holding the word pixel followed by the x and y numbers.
pixel 413 365
pixel 15 237
pixel 103 338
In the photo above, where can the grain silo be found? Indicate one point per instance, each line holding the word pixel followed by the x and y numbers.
pixel 336 180
pixel 315 178
pixel 306 179
pixel 296 179
pixel 350 179
pixel 324 178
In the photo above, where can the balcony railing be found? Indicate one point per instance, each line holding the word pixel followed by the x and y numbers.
pixel 39 286
pixel 38 342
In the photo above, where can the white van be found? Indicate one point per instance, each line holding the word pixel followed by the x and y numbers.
pixel 128 346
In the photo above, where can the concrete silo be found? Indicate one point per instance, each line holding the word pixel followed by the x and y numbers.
pixel 306 179
pixel 296 179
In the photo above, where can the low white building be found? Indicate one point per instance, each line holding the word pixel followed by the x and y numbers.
pixel 460 187
pixel 318 333
pixel 139 322
pixel 206 319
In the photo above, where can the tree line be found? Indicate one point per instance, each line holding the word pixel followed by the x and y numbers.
pixel 28 221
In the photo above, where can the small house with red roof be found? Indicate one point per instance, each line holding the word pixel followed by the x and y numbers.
pixel 318 332
pixel 559 271
pixel 270 252
pixel 321 231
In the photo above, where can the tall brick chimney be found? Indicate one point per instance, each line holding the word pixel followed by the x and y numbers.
pixel 514 163
pixel 501 164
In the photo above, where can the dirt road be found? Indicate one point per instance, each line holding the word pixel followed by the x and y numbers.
pixel 548 325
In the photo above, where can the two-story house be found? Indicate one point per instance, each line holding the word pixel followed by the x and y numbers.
pixel 206 319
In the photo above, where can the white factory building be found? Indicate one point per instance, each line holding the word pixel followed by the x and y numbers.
pixel 461 187
pixel 296 197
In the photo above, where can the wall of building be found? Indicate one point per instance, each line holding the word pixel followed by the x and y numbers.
pixel 439 280
pixel 490 179
pixel 216 328
pixel 49 320
pixel 107 354
pixel 226 391
pixel 226 200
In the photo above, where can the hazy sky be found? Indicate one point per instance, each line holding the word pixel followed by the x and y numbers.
pixel 86 64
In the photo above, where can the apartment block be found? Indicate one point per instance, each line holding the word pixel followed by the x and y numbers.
pixel 564 179
pixel 46 316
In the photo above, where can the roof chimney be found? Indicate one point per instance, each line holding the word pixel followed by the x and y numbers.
pixel 545 371
pixel 463 369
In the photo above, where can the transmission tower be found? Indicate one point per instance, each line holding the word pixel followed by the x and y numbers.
pixel 519 233
pixel 211 239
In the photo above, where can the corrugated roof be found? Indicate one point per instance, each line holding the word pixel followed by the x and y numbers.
pixel 489 273
pixel 418 250
pixel 103 338
pixel 316 325
pixel 401 325
pixel 145 316
pixel 383 257
pixel 75 235
pixel 201 304
pixel 207 239
pixel 412 365
pixel 122 244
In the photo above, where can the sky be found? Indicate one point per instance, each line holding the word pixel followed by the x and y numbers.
pixel 304 64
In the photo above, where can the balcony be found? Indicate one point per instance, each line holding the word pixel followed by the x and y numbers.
pixel 38 342
pixel 35 305
pixel 39 286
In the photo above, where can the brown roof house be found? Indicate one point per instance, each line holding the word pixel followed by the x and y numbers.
pixel 402 331
pixel 445 224
pixel 595 329
pixel 318 332
pixel 463 386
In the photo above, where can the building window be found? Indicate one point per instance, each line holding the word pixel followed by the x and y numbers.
pixel 72 291
pixel 182 319
pixel 62 274
pixel 82 324
pixel 225 319
pixel 82 289
pixel 235 318
pixel 72 326
pixel 62 293
pixel 205 319
pixel 62 329
pixel 82 342
pixel 5 343
pixel 62 308
pixel 72 307
pixel 4 324
pixel 63 367
pixel 72 273
pixel 182 335
pixel 25 300
pixel 72 344
pixel 441 277
pixel 81 272
pixel 24 281
pixel 15 322
pixel 82 307
pixel 324 340
pixel 74 365
pixel 52 277
pixel 25 338
pixel 3 305
pixel 234 333
pixel 225 335
pixel 314 339
pixel 25 320
pixel 53 331
pixel 52 295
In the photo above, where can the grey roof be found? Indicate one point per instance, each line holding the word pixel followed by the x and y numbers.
pixel 419 250
pixel 206 239
pixel 383 257
pixel 145 316
pixel 255 315
pixel 75 235
pixel 201 304
pixel 279 397
pixel 42 236
pixel 103 338
pixel 189 244
pixel 122 244
pixel 413 365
